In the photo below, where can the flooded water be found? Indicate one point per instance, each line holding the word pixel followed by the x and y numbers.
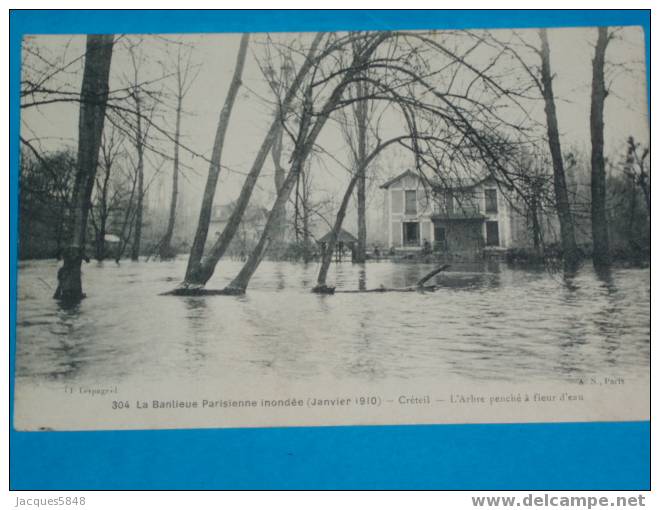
pixel 487 322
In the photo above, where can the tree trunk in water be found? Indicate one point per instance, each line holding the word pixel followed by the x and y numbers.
pixel 126 224
pixel 137 232
pixel 100 240
pixel 103 216
pixel 240 283
pixel 321 286
pixel 279 233
pixel 600 236
pixel 296 212
pixel 361 118
pixel 197 249
pixel 165 249
pixel 646 189
pixel 93 96
pixel 566 227
pixel 307 249
pixel 536 228
pixel 199 272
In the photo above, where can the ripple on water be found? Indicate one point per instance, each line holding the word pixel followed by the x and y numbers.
pixel 485 323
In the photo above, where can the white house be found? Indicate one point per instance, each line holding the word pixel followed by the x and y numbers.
pixel 454 216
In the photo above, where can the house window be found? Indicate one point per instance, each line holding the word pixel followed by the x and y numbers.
pixel 411 201
pixel 491 200
pixel 465 203
pixel 444 202
pixel 411 233
pixel 492 233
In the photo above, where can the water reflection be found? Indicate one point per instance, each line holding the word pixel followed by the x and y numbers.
pixel 362 279
pixel 194 344
pixel 486 322
pixel 604 274
pixel 280 277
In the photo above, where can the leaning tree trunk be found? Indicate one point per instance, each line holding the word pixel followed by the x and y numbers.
pixel 599 230
pixel 240 283
pixel 197 249
pixel 165 249
pixel 566 226
pixel 93 99
pixel 361 118
pixel 321 287
pixel 199 272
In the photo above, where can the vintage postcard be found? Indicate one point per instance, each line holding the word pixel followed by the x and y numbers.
pixel 351 228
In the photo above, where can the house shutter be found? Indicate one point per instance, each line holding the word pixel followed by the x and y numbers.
pixel 396 233
pixel 397 201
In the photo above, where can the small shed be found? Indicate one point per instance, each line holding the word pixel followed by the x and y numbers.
pixel 344 240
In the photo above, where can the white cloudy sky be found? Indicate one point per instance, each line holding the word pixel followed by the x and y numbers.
pixel 571 49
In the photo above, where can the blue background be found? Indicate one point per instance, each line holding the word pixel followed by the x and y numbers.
pixel 530 456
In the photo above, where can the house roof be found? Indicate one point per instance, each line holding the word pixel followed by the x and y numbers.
pixel 343 236
pixel 440 183
pixel 398 178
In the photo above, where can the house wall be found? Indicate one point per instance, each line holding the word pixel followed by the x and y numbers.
pixel 395 203
pixel 461 237
pixel 504 215
pixel 464 235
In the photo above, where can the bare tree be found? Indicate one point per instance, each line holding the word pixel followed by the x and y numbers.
pixel 46 182
pixel 304 211
pixel 542 79
pixel 321 287
pixel 355 131
pixel 200 271
pixel 144 106
pixel 111 150
pixel 93 97
pixel 464 123
pixel 184 77
pixel 361 111
pixel 279 84
pixel 599 227
pixel 355 128
pixel 129 213
pixel 305 142
pixel 199 242
pixel 636 164
pixel 569 246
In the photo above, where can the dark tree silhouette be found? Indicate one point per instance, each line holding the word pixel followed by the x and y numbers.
pixel 93 98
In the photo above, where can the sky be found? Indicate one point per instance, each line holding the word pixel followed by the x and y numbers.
pixel 215 54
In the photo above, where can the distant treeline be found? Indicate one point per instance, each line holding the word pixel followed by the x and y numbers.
pixel 46 184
